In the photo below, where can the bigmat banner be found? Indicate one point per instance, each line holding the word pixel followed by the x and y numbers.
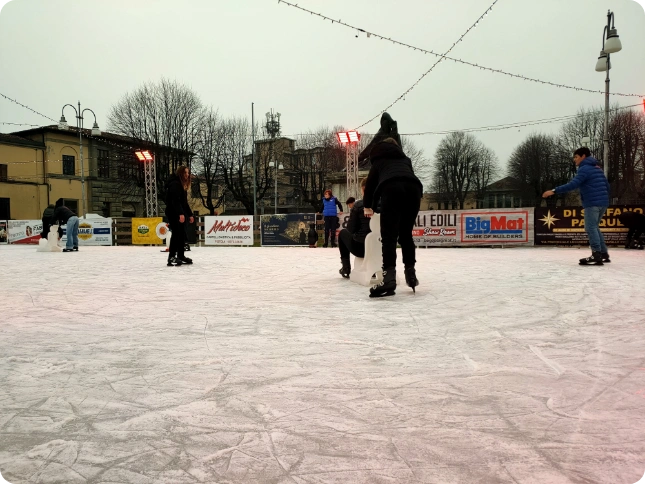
pixel 144 231
pixel 285 229
pixel 474 227
pixel 565 226
pixel 228 230
pixel 3 232
pixel 24 231
pixel 92 231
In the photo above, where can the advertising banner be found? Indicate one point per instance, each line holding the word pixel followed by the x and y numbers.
pixel 144 231
pixel 565 226
pixel 497 226
pixel 3 232
pixel 463 228
pixel 436 228
pixel 24 231
pixel 228 230
pixel 286 229
pixel 92 231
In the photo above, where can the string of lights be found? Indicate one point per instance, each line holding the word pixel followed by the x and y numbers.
pixel 459 61
pixel 443 57
pixel 26 107
pixel 19 124
pixel 519 124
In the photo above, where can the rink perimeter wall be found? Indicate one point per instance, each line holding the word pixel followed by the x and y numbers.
pixel 548 226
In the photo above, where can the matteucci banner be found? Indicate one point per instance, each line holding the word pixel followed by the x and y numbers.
pixel 24 231
pixel 228 230
pixel 474 227
pixel 565 226
pixel 92 231
pixel 286 229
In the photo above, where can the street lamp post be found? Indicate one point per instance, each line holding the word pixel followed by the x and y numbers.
pixel 610 45
pixel 274 164
pixel 62 124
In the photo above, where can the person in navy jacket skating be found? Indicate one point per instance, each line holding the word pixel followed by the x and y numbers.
pixel 594 192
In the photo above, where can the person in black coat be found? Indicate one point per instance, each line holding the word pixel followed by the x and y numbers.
pixel 392 181
pixel 64 216
pixel 352 239
pixel 635 222
pixel 48 216
pixel 177 212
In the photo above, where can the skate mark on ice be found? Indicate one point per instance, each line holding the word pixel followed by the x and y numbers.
pixel 551 364
pixel 473 365
pixel 370 344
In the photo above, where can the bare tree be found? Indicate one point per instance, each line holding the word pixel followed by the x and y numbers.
pixel 539 164
pixel 461 164
pixel 317 155
pixel 626 156
pixel 485 170
pixel 166 117
pixel 237 164
pixel 209 161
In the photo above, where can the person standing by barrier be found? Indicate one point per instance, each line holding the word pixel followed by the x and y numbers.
pixel 635 222
pixel 352 239
pixel 177 212
pixel 392 181
pixel 64 216
pixel 330 214
pixel 594 192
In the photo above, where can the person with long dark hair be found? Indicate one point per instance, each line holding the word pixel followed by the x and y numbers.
pixel 392 181
pixel 178 212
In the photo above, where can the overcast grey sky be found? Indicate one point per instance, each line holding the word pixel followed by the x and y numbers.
pixel 234 52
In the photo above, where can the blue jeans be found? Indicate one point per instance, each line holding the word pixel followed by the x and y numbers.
pixel 593 216
pixel 72 232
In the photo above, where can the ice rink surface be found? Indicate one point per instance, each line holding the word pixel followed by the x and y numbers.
pixel 263 365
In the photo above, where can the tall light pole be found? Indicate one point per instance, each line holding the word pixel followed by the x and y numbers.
pixel 274 164
pixel 62 124
pixel 150 175
pixel 255 183
pixel 610 45
pixel 350 139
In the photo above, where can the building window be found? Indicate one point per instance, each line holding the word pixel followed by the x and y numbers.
pixel 130 169
pixel 68 165
pixel 106 209
pixel 5 204
pixel 3 173
pixel 491 201
pixel 71 204
pixel 104 164
pixel 508 201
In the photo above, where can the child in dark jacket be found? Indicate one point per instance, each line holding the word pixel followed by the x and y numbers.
pixel 352 239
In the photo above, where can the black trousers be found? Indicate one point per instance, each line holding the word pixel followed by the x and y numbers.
pixel 400 201
pixel 330 228
pixel 177 239
pixel 347 245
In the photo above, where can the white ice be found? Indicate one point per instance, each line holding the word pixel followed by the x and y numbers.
pixel 263 365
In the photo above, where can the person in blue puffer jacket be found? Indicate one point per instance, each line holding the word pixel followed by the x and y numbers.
pixel 594 192
pixel 330 214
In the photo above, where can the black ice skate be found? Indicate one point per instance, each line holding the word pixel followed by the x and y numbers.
pixel 174 261
pixel 346 270
pixel 594 260
pixel 185 260
pixel 75 249
pixel 605 257
pixel 411 278
pixel 387 286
